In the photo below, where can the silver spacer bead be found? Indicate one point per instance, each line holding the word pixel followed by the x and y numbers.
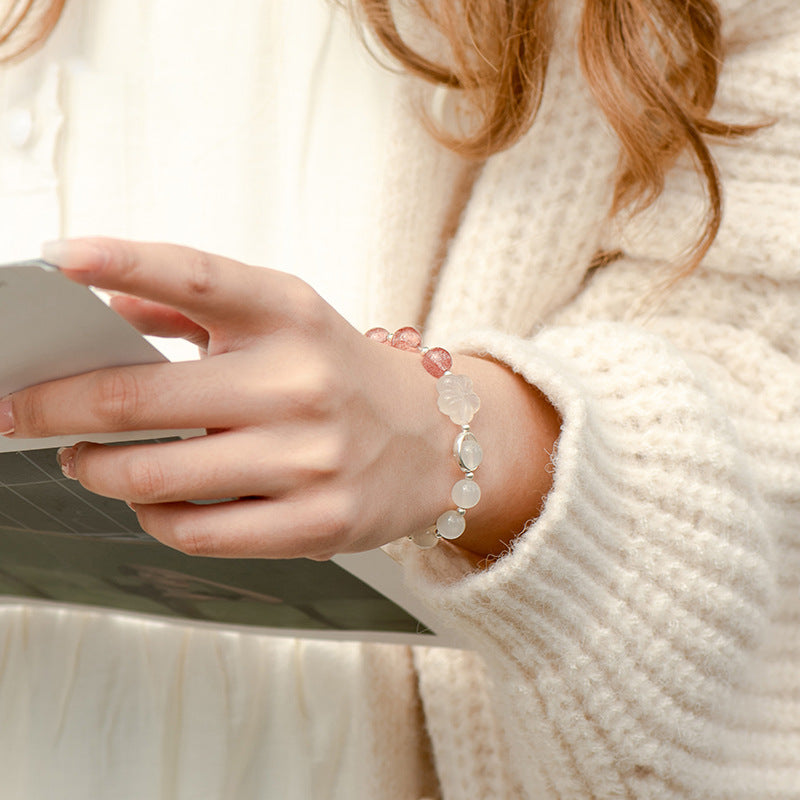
pixel 461 511
pixel 469 475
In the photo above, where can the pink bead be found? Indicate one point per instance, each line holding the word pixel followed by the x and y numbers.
pixel 437 361
pixel 407 338
pixel 378 334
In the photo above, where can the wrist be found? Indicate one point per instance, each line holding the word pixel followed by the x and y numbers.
pixel 517 428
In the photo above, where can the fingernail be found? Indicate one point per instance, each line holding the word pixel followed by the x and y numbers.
pixel 6 417
pixel 75 255
pixel 66 459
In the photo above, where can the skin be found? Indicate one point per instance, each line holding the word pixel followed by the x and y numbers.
pixel 331 442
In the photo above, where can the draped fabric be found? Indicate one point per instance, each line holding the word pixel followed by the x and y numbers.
pixel 238 130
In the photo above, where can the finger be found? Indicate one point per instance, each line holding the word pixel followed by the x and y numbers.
pixel 211 393
pixel 155 319
pixel 231 390
pixel 209 289
pixel 228 464
pixel 311 527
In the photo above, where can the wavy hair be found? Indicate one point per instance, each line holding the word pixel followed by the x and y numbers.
pixel 25 24
pixel 653 67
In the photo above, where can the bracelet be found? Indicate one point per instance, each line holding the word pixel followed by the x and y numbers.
pixel 459 402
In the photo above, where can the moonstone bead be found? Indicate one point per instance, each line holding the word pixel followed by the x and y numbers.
pixel 450 525
pixel 456 398
pixel 466 493
pixel 425 539
pixel 468 452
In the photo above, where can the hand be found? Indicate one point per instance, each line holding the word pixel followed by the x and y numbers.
pixel 326 441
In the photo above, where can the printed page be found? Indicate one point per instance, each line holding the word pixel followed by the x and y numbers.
pixel 60 543
pixel 52 328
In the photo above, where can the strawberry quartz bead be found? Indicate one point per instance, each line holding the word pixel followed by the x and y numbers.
pixel 437 361
pixel 378 334
pixel 407 338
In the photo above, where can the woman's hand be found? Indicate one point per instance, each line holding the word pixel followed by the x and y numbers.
pixel 322 441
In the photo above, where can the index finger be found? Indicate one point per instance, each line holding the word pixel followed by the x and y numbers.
pixel 209 289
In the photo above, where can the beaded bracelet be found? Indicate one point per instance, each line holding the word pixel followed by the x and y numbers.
pixel 459 402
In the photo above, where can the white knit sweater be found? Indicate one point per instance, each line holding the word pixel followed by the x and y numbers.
pixel 642 637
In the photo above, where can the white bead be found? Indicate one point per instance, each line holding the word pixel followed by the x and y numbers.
pixel 456 398
pixel 466 493
pixel 450 525
pixel 425 539
pixel 468 452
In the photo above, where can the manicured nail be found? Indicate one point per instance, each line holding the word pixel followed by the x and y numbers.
pixel 66 459
pixel 75 255
pixel 6 417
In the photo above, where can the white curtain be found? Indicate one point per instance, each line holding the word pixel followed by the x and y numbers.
pixel 249 128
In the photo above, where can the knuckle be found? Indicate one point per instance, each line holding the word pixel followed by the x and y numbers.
pixel 126 257
pixel 326 556
pixel 201 278
pixel 117 398
pixel 314 393
pixel 330 455
pixel 146 481
pixel 188 538
pixel 336 523
pixel 305 306
pixel 312 399
pixel 30 417
pixel 316 462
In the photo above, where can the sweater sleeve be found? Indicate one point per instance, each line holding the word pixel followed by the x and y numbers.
pixel 642 634
pixel 628 617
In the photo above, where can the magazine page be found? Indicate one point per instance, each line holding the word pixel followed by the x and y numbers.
pixel 52 328
pixel 61 543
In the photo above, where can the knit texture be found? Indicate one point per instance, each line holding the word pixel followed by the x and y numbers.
pixel 642 637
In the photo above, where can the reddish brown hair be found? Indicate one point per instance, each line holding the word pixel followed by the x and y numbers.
pixel 25 25
pixel 652 65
